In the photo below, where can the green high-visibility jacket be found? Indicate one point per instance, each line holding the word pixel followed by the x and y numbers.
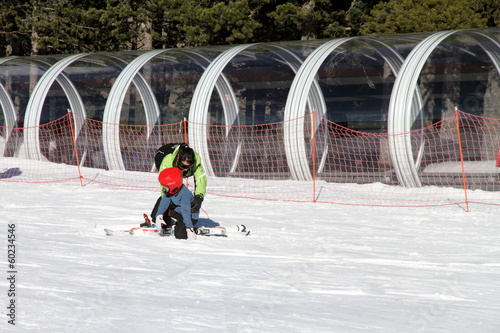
pixel 197 171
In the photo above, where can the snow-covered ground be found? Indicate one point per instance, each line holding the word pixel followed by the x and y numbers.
pixel 305 267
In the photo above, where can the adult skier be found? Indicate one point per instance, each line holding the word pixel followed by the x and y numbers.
pixel 182 156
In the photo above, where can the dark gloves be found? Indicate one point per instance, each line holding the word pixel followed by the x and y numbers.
pixel 196 204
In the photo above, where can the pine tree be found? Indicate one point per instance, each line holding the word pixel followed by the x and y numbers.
pixel 408 16
pixel 198 23
pixel 15 40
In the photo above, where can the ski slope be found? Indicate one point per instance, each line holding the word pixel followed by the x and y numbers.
pixel 305 267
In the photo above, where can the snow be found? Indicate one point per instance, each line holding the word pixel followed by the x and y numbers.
pixel 305 267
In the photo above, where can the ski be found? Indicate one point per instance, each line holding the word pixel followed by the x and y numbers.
pixel 211 231
pixel 201 231
pixel 239 229
pixel 132 231
pixel 147 227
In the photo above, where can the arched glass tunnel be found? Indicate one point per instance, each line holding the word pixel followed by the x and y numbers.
pixel 382 84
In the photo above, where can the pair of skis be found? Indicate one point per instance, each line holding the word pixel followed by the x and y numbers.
pixel 148 227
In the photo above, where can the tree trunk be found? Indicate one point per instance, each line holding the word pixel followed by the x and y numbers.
pixel 145 37
pixel 309 25
pixel 34 30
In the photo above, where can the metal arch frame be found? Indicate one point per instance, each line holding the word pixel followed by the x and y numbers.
pixel 35 104
pixel 298 97
pixel 402 108
pixel 486 38
pixel 198 110
pixel 8 108
pixel 315 100
pixel 300 94
pixel 112 110
pixel 212 77
pixel 9 115
pixel 225 90
pixel 395 62
pixel 111 136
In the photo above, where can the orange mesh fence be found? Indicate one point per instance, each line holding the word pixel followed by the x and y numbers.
pixel 309 159
pixel 129 164
pixel 55 150
pixel 251 162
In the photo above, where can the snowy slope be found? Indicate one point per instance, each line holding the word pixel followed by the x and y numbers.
pixel 305 268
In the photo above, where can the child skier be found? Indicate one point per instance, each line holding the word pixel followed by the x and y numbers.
pixel 175 205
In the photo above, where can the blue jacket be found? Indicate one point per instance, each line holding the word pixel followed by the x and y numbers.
pixel 182 200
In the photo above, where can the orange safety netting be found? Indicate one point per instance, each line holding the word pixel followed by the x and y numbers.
pixel 454 161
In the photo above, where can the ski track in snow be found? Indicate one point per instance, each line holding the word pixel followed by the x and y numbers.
pixel 304 268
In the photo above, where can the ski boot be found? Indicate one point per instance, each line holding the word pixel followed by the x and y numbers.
pixel 147 222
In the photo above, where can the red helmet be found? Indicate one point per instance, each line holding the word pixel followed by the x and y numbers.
pixel 171 179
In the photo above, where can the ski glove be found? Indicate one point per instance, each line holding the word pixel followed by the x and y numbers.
pixel 196 204
pixel 159 222
pixel 191 234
